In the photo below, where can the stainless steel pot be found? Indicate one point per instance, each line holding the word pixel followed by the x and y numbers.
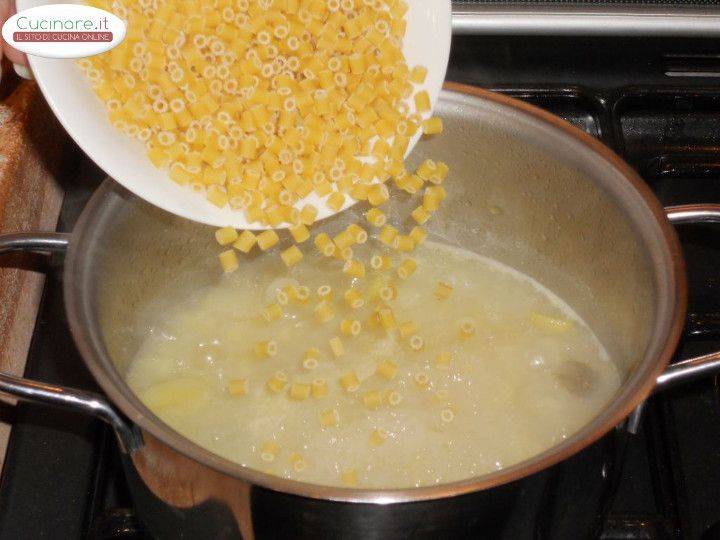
pixel 527 189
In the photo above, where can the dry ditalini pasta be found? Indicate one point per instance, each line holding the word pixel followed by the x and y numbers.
pixel 257 104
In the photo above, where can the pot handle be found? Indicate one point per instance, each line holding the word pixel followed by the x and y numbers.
pixel 82 401
pixel 708 364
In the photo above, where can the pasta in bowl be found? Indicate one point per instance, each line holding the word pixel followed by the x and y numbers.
pixel 130 162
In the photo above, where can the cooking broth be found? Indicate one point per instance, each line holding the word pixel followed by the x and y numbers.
pixel 529 375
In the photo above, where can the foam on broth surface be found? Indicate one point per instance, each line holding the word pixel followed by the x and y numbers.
pixel 520 385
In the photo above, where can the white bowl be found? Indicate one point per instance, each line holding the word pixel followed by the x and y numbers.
pixel 84 116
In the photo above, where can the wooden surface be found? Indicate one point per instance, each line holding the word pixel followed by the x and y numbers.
pixel 33 151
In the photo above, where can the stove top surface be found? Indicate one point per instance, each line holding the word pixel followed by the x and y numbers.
pixel 62 477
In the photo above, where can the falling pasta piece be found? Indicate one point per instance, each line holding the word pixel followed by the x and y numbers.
pixel 300 233
pixel 229 261
pixel 226 235
pixel 344 254
pixel 406 268
pixel 354 268
pixel 267 239
pixel 344 239
pixel 380 262
pixel 378 194
pixel 432 126
pixel 427 169
pixel 441 173
pixel 359 234
pixel 432 198
pixel 403 243
pixel 418 234
pixel 291 256
pixel 411 184
pixel 376 217
pixel 421 215
pixel 387 235
pixel 325 245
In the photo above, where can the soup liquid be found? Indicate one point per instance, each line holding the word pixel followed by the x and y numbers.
pixel 531 374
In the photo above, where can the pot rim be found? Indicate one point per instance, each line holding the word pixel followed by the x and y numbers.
pixel 145 419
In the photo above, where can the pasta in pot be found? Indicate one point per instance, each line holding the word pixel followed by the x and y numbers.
pixel 467 367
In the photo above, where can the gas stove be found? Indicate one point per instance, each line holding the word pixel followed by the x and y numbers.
pixel 656 102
